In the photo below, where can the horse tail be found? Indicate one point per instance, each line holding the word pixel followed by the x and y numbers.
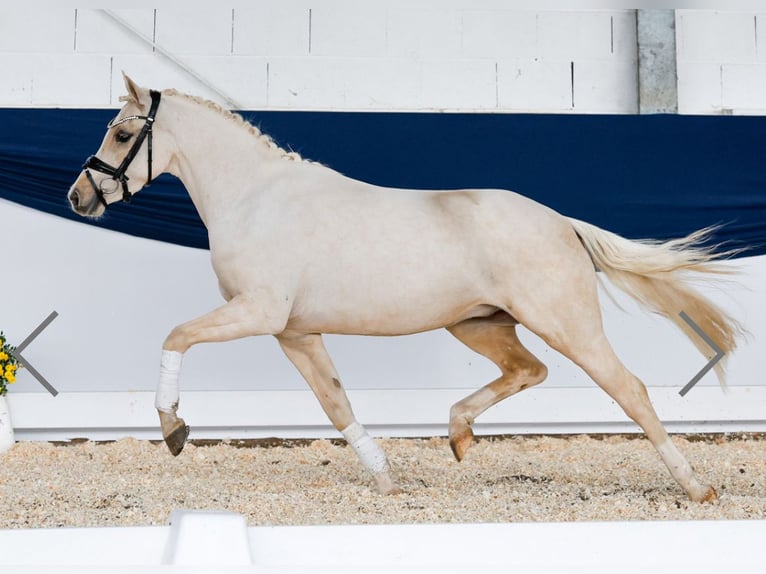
pixel 659 275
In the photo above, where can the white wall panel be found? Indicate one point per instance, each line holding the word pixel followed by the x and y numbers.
pixel 271 29
pixel 48 30
pixel 357 30
pixel 605 87
pixel 568 36
pixel 427 56
pixel 308 84
pixel 381 84
pixel 744 87
pixel 17 79
pixel 699 88
pixel 205 31
pixel 98 33
pixel 419 33
pixel 534 86
pixel 760 35
pixel 715 36
pixel 47 80
pixel 718 61
pixel 319 83
pixel 469 84
pixel 499 34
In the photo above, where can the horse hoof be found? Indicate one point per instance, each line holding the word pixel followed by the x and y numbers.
pixel 176 439
pixel 711 496
pixel 460 442
pixel 385 484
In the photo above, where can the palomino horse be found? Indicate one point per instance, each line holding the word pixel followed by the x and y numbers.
pixel 301 250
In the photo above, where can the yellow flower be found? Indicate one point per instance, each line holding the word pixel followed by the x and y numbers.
pixel 3 356
pixel 11 377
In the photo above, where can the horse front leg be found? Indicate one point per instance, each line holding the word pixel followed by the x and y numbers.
pixel 242 316
pixel 308 354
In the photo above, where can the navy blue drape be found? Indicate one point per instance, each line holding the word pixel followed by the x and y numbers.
pixel 640 176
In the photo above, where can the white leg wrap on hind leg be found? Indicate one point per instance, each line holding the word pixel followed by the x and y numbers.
pixel 368 451
pixel 166 399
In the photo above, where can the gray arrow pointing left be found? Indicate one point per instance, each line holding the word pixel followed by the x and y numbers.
pixel 17 353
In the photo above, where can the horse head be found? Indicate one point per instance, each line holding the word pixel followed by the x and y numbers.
pixel 127 158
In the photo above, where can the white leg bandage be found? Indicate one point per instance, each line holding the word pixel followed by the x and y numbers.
pixel 166 399
pixel 368 451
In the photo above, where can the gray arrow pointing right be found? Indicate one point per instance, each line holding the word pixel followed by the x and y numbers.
pixel 711 363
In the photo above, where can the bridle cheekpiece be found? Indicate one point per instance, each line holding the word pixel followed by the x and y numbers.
pixel 118 173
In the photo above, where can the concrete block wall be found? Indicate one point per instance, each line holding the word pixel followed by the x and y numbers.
pixel 336 54
pixel 721 61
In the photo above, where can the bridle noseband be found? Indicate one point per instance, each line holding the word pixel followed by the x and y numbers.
pixel 118 173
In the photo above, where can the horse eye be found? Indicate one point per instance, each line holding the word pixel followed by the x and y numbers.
pixel 123 136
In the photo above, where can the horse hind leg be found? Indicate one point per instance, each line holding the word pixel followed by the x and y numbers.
pixel 598 359
pixel 495 338
pixel 572 326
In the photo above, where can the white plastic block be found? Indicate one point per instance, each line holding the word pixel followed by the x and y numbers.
pixel 272 29
pixel 206 31
pixel 419 33
pixel 15 80
pixel 307 83
pixel 712 36
pixel 353 30
pixel 625 35
pixel 699 88
pixel 98 33
pixel 605 87
pixel 451 84
pixel 744 87
pixel 575 35
pixel 382 84
pixel 760 35
pixel 343 83
pixel 535 86
pixel 497 34
pixel 199 538
pixel 46 80
pixel 25 30
pixel 53 84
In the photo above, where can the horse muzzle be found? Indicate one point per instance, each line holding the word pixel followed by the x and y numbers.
pixel 84 203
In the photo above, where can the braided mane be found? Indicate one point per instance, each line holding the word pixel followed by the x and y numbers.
pixel 266 139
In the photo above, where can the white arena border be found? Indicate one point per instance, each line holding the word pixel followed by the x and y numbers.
pixel 199 539
pixel 398 413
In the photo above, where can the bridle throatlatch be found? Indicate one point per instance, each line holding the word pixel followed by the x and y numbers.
pixel 110 185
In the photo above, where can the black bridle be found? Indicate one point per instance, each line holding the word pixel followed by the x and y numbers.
pixel 118 173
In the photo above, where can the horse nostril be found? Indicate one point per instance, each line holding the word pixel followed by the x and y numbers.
pixel 74 198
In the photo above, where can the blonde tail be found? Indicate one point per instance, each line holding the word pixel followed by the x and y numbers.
pixel 657 275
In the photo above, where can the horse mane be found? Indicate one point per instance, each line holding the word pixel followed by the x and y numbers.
pixel 265 139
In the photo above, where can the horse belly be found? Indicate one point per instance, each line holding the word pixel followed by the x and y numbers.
pixel 390 303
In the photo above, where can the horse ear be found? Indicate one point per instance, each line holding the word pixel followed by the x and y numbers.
pixel 135 91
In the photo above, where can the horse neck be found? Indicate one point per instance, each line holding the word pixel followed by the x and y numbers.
pixel 217 159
